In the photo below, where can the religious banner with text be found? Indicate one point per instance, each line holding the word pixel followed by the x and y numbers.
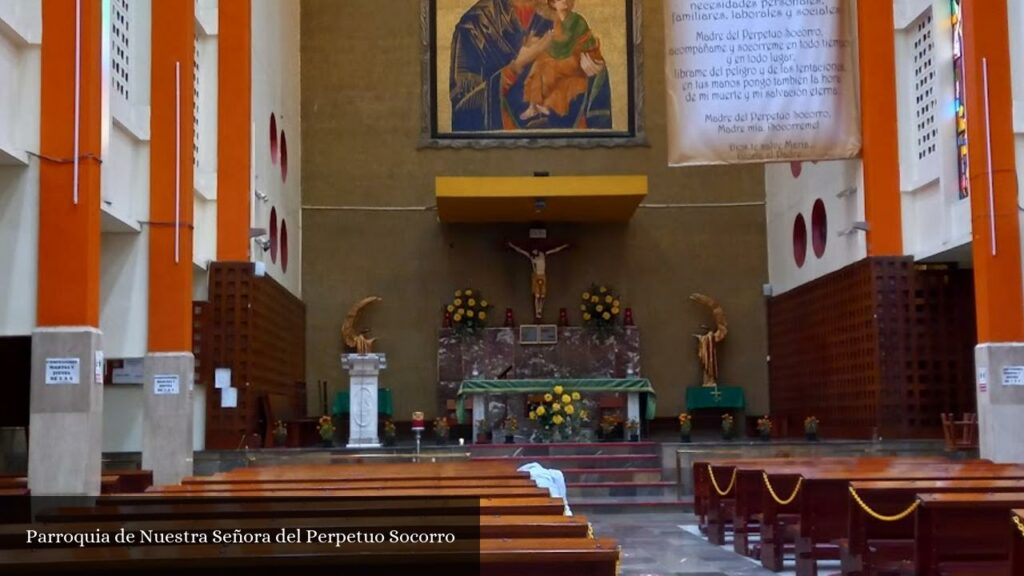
pixel 760 81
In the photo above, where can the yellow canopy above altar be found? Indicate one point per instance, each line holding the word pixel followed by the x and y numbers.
pixel 539 198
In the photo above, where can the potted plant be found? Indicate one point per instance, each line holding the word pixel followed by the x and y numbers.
pixel 685 427
pixel 483 432
pixel 390 433
pixel 326 430
pixel 609 423
pixel 811 428
pixel 728 426
pixel 764 428
pixel 633 427
pixel 280 434
pixel 510 426
pixel 441 430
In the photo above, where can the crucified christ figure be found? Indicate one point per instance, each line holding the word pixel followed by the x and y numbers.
pixel 539 279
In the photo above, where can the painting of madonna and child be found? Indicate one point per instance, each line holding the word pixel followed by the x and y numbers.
pixel 532 69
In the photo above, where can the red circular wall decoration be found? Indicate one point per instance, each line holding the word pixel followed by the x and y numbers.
pixel 819 228
pixel 284 245
pixel 273 235
pixel 800 241
pixel 795 168
pixel 273 138
pixel 284 157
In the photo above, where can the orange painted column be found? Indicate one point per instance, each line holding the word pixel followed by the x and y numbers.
pixel 879 130
pixel 171 196
pixel 993 174
pixel 69 233
pixel 234 128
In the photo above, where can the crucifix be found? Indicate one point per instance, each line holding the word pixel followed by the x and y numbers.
pixel 539 279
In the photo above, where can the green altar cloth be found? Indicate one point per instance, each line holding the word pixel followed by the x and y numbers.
pixel 698 397
pixel 626 385
pixel 385 404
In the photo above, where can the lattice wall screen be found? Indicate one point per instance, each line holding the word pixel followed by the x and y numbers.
pixel 120 49
pixel 925 98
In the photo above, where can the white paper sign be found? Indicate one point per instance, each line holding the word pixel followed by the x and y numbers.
pixel 760 81
pixel 99 367
pixel 130 373
pixel 63 371
pixel 222 377
pixel 982 379
pixel 166 384
pixel 229 397
pixel 1013 375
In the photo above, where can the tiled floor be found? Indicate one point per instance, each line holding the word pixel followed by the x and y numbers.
pixel 667 544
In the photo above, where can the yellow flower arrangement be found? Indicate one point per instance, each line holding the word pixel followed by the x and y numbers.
pixel 561 411
pixel 601 307
pixel 467 310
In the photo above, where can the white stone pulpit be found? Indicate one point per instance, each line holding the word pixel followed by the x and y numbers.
pixel 364 380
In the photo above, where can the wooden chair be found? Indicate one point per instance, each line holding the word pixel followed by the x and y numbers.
pixel 960 434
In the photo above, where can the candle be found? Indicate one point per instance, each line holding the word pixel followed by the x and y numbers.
pixel 417 420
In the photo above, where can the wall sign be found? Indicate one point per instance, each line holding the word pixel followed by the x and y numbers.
pixel 63 371
pixel 166 384
pixel 751 81
pixel 1013 375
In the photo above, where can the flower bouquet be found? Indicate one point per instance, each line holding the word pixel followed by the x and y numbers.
pixel 468 310
pixel 609 424
pixel 280 433
pixel 600 307
pixel 390 433
pixel 510 426
pixel 557 416
pixel 811 428
pixel 326 429
pixel 728 426
pixel 441 430
pixel 764 428
pixel 685 427
pixel 633 427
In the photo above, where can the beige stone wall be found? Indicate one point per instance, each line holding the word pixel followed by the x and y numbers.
pixel 360 126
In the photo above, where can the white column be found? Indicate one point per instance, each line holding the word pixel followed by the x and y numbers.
pixel 364 380
pixel 478 413
pixel 632 411
pixel 1000 386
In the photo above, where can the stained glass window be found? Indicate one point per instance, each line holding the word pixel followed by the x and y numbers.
pixel 960 101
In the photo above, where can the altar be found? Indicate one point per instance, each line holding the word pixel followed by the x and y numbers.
pixel 632 387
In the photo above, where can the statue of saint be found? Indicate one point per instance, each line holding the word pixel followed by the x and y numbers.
pixel 539 279
pixel 708 340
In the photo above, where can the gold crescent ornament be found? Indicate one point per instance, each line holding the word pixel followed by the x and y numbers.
pixel 351 335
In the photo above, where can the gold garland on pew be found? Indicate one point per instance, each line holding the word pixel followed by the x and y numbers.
pixel 883 518
pixel 1020 525
pixel 787 501
pixel 714 482
pixel 590 531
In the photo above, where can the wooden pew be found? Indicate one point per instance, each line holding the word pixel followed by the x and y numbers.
pixel 497 557
pixel 357 484
pixel 15 505
pixel 515 528
pixel 121 482
pixel 964 534
pixel 346 472
pixel 308 508
pixel 883 539
pixel 13 536
pixel 819 498
pixel 286 493
pixel 1017 551
pixel 717 506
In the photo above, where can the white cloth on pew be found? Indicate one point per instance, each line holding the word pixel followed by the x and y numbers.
pixel 548 478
